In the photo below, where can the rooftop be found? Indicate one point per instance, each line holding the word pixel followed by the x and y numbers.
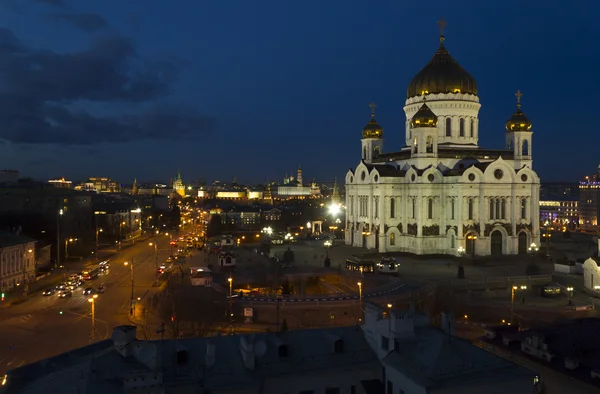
pixel 218 363
pixel 11 239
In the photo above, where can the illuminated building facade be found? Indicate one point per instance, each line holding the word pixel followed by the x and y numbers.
pixel 442 193
pixel 61 183
pixel 104 185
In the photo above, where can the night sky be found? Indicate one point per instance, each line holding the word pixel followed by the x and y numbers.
pixel 252 89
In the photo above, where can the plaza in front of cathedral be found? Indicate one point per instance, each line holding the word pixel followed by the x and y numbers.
pixel 441 193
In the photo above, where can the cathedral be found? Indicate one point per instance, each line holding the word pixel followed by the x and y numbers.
pixel 442 193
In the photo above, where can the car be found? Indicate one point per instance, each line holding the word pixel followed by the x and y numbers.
pixel 100 289
pixel 48 292
pixel 61 286
pixel 160 271
pixel 88 291
pixel 65 294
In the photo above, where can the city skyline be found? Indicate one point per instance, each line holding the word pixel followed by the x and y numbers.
pixel 107 91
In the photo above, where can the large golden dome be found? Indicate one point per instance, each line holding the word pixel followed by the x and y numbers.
pixel 424 117
pixel 372 129
pixel 442 74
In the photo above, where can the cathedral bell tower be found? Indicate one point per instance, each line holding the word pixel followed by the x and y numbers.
pixel 423 132
pixel 519 136
pixel 372 138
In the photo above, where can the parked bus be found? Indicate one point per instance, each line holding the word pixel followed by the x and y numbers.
pixel 355 263
pixel 90 273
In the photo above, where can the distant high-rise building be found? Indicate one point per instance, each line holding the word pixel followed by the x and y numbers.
pixel 589 201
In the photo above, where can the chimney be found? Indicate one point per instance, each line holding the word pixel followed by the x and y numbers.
pixel 122 338
pixel 448 323
pixel 210 354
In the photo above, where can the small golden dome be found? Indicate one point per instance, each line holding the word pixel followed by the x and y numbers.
pixel 424 117
pixel 372 129
pixel 518 121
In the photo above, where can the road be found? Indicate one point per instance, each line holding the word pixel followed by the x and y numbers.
pixel 36 329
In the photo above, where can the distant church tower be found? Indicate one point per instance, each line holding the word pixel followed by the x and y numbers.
pixel 135 190
pixel 267 195
pixel 519 136
pixel 372 138
pixel 335 196
pixel 178 186
pixel 299 177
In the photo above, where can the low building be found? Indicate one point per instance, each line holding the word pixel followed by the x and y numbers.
pixel 201 278
pixel 17 260
pixel 419 358
pixel 227 259
pixel 566 356
pixel 336 360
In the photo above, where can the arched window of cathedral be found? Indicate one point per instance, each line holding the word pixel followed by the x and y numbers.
pixel 448 127
pixel 392 239
pixel 509 144
pixel 429 144
pixel 525 148
pixel 414 208
pixel 376 151
pixel 452 242
pixel 472 129
pixel 471 209
pixel 364 153
pixel 452 208
pixel 523 208
pixel 462 127
pixel 430 208
pixel 498 209
pixel 492 208
pixel 415 145
pixel 392 208
pixel 503 209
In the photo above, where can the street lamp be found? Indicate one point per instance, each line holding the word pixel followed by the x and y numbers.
pixel 98 231
pixel 60 213
pixel 512 300
pixel 547 235
pixel 460 274
pixel 121 224
pixel 155 253
pixel 533 248
pixel 230 280
pixel 67 242
pixel 360 299
pixel 132 284
pixel 389 323
pixel 472 237
pixel 92 300
pixel 570 290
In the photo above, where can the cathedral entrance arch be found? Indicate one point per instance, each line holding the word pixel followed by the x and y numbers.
pixel 522 242
pixel 496 243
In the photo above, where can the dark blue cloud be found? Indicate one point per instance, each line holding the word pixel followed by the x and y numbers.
pixel 85 22
pixel 37 88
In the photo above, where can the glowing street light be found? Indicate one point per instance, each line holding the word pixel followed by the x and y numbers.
pixel 92 300
pixel 334 209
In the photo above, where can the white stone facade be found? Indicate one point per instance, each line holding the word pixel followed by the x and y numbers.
pixel 17 265
pixel 441 191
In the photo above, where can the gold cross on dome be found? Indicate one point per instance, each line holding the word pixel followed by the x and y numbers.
pixel 518 95
pixel 372 105
pixel 442 24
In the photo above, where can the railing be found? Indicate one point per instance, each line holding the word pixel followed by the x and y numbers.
pixel 509 280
